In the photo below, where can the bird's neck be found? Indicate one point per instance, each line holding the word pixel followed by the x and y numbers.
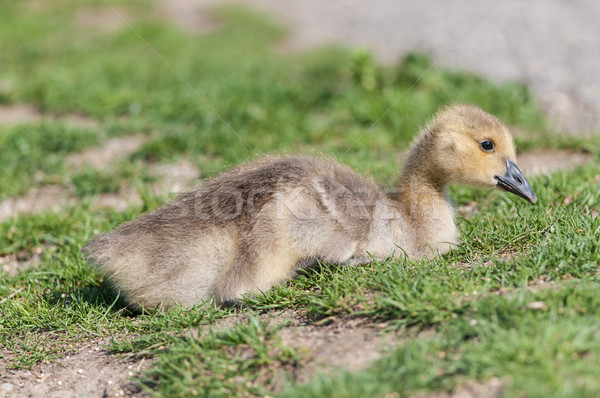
pixel 423 200
pixel 417 192
pixel 419 180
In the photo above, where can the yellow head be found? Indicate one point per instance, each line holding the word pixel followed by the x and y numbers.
pixel 465 145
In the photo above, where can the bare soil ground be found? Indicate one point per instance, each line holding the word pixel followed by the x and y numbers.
pixel 546 161
pixel 492 388
pixel 90 371
pixel 25 113
pixel 350 344
pixel 113 150
pixel 103 19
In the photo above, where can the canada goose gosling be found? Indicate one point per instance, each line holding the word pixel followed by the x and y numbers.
pixel 254 226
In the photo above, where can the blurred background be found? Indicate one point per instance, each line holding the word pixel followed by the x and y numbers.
pixel 551 46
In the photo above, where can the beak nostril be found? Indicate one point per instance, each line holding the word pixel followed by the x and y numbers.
pixel 514 181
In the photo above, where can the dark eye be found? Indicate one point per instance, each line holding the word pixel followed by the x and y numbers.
pixel 487 146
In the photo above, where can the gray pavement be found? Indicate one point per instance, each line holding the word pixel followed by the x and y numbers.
pixel 553 46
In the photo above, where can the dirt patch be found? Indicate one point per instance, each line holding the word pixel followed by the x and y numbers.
pixel 349 345
pixel 547 161
pixel 76 120
pixel 37 200
pixel 340 344
pixel 103 20
pixel 175 177
pixel 492 388
pixel 468 210
pixel 172 179
pixel 28 114
pixel 16 114
pixel 193 17
pixel 100 157
pixel 118 201
pixel 91 371
pixel 12 264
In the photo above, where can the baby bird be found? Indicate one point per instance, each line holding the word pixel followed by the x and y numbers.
pixel 254 226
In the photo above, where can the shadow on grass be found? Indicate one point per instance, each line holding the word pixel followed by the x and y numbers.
pixel 103 296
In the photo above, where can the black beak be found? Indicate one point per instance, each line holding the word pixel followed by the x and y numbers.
pixel 515 182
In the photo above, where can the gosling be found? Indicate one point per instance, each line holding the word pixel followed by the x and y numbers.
pixel 254 226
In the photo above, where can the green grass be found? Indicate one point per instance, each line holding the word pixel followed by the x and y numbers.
pixel 34 154
pixel 205 364
pixel 328 100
